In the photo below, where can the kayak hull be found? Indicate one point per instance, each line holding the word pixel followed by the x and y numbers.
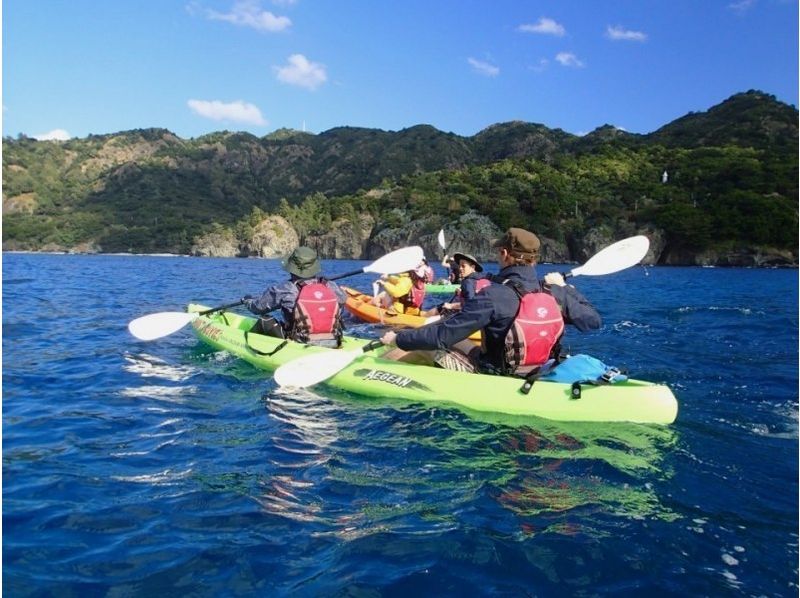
pixel 360 305
pixel 370 375
pixel 441 289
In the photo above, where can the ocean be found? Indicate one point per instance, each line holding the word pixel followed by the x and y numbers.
pixel 166 468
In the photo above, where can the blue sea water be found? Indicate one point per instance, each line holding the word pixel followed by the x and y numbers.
pixel 166 468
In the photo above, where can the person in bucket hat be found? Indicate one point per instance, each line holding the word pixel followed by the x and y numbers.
pixel 303 266
pixel 302 262
pixel 493 311
pixel 472 280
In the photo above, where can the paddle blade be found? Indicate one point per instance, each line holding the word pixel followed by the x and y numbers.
pixel 400 260
pixel 312 369
pixel 153 326
pixel 440 238
pixel 622 254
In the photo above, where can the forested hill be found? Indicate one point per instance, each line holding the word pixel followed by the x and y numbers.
pixel 731 178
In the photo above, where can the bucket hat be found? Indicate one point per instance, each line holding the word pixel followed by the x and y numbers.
pixel 302 262
pixel 470 258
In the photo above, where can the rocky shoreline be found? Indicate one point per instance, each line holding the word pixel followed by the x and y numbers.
pixel 274 237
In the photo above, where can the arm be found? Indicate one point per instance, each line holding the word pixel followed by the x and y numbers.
pixel 397 286
pixel 269 300
pixel 443 334
pixel 575 307
pixel 340 294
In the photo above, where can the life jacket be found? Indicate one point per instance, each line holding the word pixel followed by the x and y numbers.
pixel 480 284
pixel 317 317
pixel 416 295
pixel 534 336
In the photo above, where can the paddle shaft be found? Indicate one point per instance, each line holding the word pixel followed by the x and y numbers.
pixel 371 346
pixel 220 308
pixel 346 274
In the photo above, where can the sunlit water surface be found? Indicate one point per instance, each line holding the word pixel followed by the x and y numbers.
pixel 167 468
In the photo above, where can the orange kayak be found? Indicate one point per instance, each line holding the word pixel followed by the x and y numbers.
pixel 360 305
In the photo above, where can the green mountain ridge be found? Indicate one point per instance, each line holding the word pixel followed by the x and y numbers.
pixel 148 190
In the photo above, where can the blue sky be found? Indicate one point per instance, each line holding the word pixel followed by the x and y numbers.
pixel 77 67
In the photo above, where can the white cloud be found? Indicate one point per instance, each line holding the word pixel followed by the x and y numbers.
pixel 248 13
pixel 238 111
pixel 302 72
pixel 619 33
pixel 484 68
pixel 569 59
pixel 54 135
pixel 742 6
pixel 544 26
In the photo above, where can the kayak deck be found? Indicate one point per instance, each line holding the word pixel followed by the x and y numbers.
pixel 370 375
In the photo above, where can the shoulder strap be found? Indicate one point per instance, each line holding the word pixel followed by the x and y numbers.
pixel 516 286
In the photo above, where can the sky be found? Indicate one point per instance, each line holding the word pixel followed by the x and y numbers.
pixel 72 68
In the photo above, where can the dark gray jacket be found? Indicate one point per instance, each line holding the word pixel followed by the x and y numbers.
pixel 493 311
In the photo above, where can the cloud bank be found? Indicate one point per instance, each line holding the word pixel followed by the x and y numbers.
pixel 248 13
pixel 483 68
pixel 54 135
pixel 544 26
pixel 300 71
pixel 238 111
pixel 620 33
pixel 569 59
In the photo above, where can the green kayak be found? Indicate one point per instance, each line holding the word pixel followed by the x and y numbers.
pixel 441 289
pixel 369 375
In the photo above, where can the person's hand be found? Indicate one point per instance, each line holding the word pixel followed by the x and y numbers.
pixel 554 279
pixel 389 337
pixel 248 301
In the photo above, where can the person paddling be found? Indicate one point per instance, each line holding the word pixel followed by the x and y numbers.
pixel 472 280
pixel 521 318
pixel 402 293
pixel 310 306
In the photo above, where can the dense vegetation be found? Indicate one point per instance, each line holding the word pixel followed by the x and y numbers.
pixel 731 178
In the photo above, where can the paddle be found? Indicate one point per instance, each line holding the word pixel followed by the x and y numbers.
pixel 440 238
pixel 161 324
pixel 158 325
pixel 399 260
pixel 312 369
pixel 618 256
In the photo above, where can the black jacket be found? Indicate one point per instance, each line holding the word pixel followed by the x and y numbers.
pixel 493 311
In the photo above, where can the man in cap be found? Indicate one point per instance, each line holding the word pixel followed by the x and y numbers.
pixel 304 267
pixel 494 309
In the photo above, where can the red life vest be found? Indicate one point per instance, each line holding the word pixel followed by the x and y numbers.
pixel 536 331
pixel 480 284
pixel 317 317
pixel 416 295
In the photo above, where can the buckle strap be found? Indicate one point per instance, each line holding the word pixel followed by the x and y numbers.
pixel 254 350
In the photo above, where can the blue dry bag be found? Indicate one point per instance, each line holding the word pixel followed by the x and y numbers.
pixel 583 368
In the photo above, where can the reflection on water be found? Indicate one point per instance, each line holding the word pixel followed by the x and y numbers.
pixel 444 463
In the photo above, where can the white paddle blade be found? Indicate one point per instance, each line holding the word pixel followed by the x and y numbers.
pixel 622 254
pixel 312 369
pixel 400 260
pixel 153 326
pixel 440 238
